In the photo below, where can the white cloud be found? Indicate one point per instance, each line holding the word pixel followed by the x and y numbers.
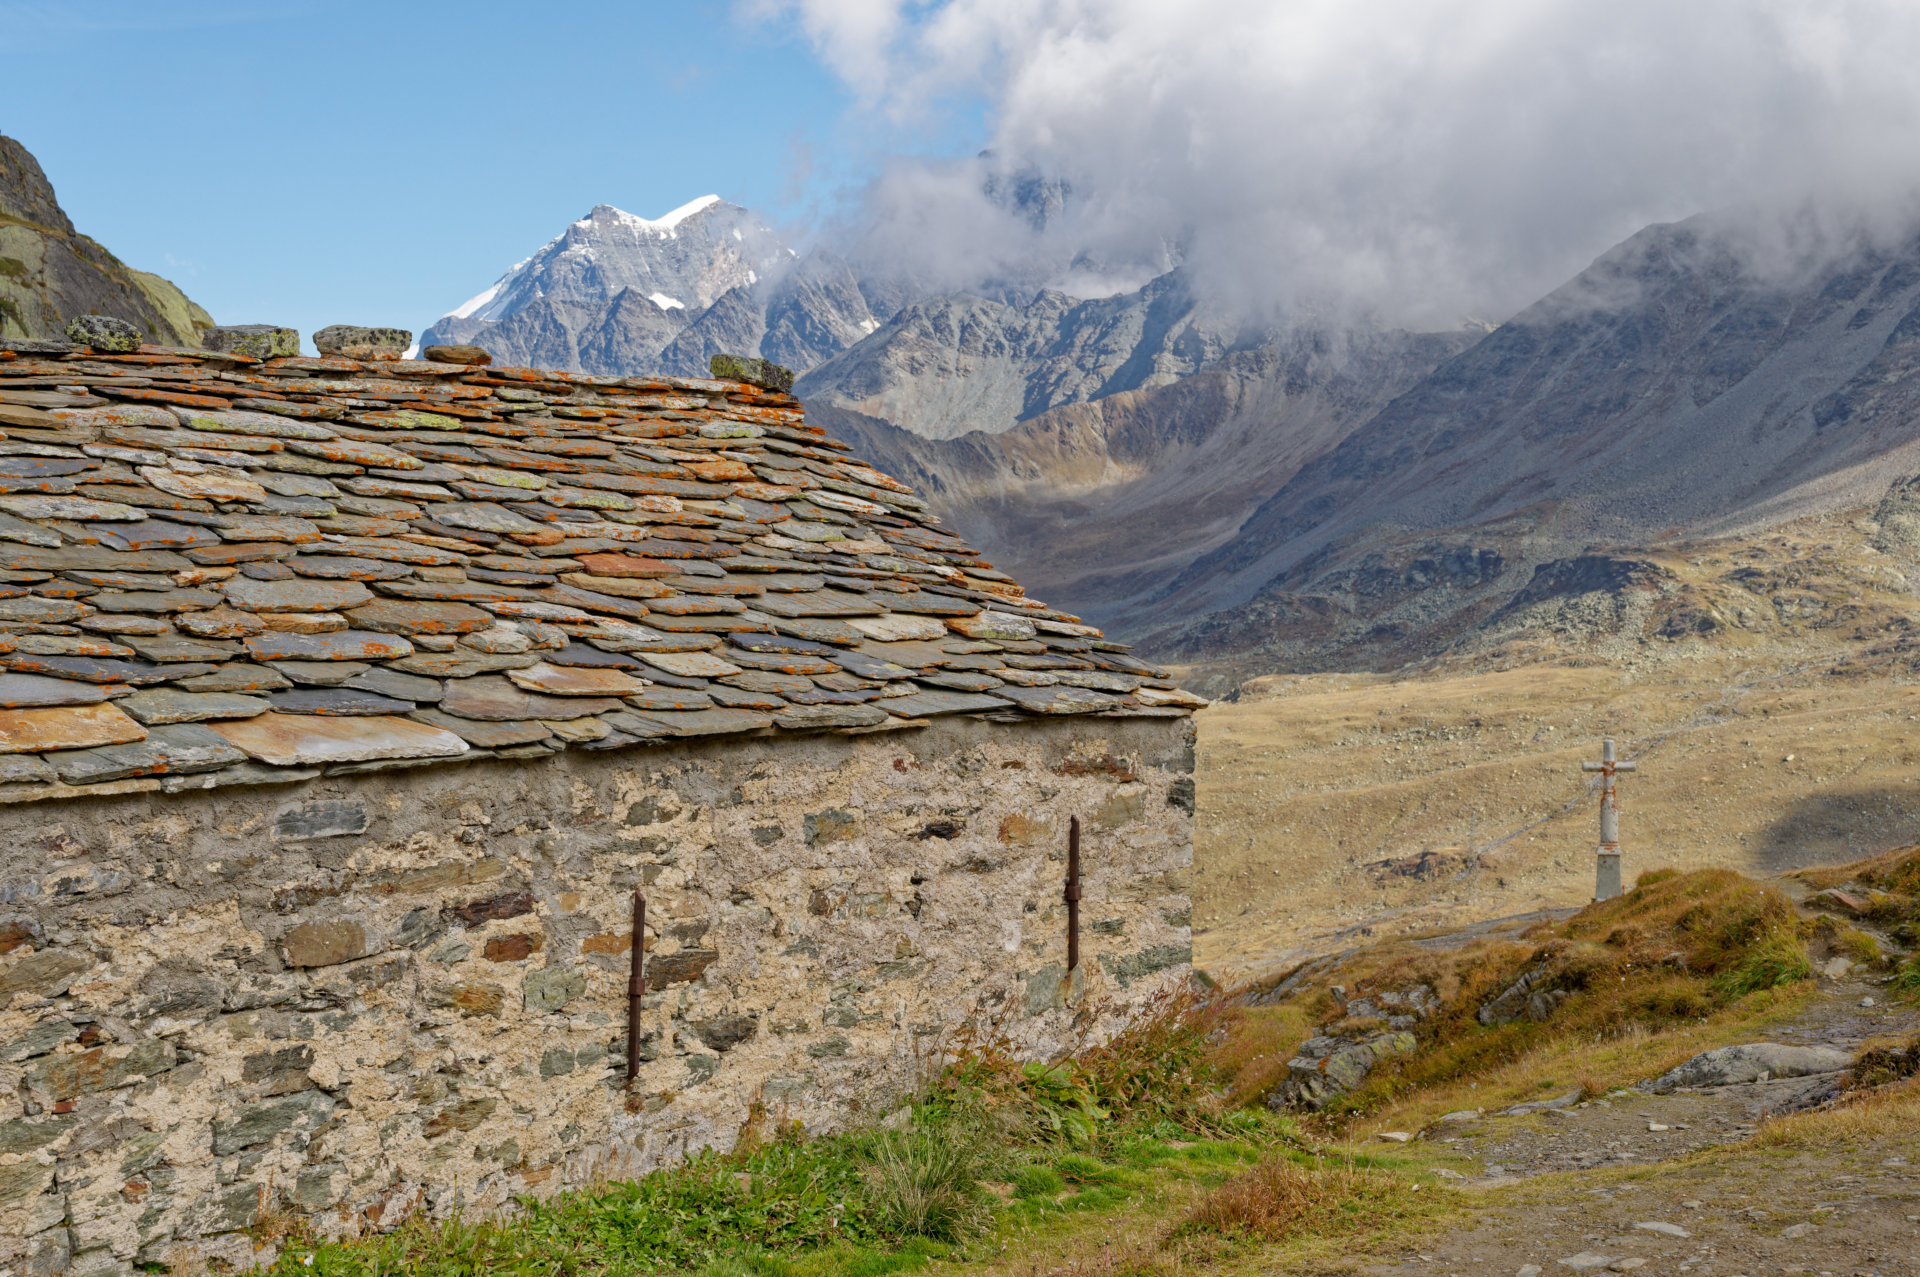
pixel 1429 157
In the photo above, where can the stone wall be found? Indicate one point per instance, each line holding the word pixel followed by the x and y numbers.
pixel 361 997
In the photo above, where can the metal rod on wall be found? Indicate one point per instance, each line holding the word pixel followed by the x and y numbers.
pixel 636 984
pixel 1073 893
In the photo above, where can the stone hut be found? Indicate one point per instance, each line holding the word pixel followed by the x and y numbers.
pixel 347 702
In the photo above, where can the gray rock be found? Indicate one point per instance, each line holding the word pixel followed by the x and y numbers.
pixel 27 691
pixel 1526 997
pixel 1566 1101
pixel 1585 1260
pixel 552 988
pixel 105 333
pixel 386 682
pixel 335 701
pixel 158 705
pixel 1734 1064
pixel 755 372
pixel 256 341
pixel 322 818
pixel 801 718
pixel 350 341
pixel 182 748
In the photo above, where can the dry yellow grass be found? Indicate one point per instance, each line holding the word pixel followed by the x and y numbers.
pixel 1760 750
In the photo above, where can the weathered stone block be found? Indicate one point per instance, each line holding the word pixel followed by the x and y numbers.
pixel 261 1123
pixel 325 944
pixel 336 818
pixel 552 988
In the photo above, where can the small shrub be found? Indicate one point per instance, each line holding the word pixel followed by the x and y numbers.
pixel 926 1182
pixel 1879 1065
pixel 1279 1199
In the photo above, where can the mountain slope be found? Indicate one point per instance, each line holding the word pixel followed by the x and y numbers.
pixel 1096 505
pixel 947 365
pixel 50 273
pixel 1669 388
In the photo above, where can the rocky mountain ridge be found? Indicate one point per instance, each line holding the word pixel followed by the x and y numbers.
pixel 51 274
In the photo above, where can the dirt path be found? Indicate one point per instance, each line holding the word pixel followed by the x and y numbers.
pixel 1690 1182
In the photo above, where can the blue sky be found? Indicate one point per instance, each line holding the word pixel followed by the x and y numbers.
pixel 308 164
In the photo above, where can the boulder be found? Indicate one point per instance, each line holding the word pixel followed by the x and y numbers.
pixel 1733 1064
pixel 763 373
pixel 256 341
pixel 351 341
pixel 105 333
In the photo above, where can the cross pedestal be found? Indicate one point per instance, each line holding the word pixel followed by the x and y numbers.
pixel 1606 878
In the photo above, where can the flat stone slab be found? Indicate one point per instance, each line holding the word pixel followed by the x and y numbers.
pixel 90 669
pixel 33 691
pixel 926 603
pixel 461 664
pixel 934 704
pixel 802 718
pixel 871 667
pixel 692 664
pixel 483 735
pixel 819 630
pixel 35 731
pixel 296 740
pixel 336 702
pixel 491 698
pixel 159 705
pixel 562 680
pixel 297 595
pixel 482 516
pixel 669 698
pixel 153 534
pixel 958 680
pixel 1057 700
pixel 320 673
pixel 242 676
pixel 709 722
pixel 347 568
pixel 173 750
pixel 419 616
pixel 818 603
pixel 896 627
pixel 581 654
pixel 342 645
pixel 993 625
pixel 406 687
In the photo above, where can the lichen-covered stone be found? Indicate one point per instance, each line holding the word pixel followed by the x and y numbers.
pixel 351 341
pixel 256 341
pixel 755 372
pixel 104 333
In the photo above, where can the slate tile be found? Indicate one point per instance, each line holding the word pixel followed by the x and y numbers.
pixel 320 673
pixel 741 698
pixel 617 586
pixel 716 623
pixel 35 731
pixel 958 680
pixel 778 663
pixel 561 680
pixel 801 718
pixel 673 698
pixel 348 568
pixel 156 602
pixel 297 595
pixel 420 616
pixel 181 749
pixel 461 664
pixel 267 529
pixel 819 630
pixel 708 722
pixel 390 682
pixel 295 740
pixel 1100 681
pixel 836 696
pixel 80 509
pixel 693 605
pixel 449 591
pixel 347 645
pixel 690 664
pixel 336 702
pixel 934 704
pixel 38 611
pixel 485 735
pixel 869 667
pixel 491 698
pixel 496 576
pixel 68 645
pixel 1058 700
pixel 577 653
pixel 895 627
pixel 29 691
pixel 992 625
pixel 767 681
pixel 152 534
pixel 819 603
pixel 221 623
pixel 241 676
pixel 90 669
pixel 160 705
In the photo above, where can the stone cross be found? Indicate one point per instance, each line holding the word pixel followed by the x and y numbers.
pixel 1606 880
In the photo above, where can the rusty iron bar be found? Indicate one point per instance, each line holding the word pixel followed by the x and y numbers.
pixel 1073 893
pixel 636 985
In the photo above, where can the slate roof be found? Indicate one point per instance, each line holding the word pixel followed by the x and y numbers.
pixel 215 568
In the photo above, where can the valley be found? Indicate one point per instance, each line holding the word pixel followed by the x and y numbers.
pixel 1333 808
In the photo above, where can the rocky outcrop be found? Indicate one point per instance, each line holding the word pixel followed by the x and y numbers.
pixel 1339 1057
pixel 1531 997
pixel 51 274
pixel 1753 1062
